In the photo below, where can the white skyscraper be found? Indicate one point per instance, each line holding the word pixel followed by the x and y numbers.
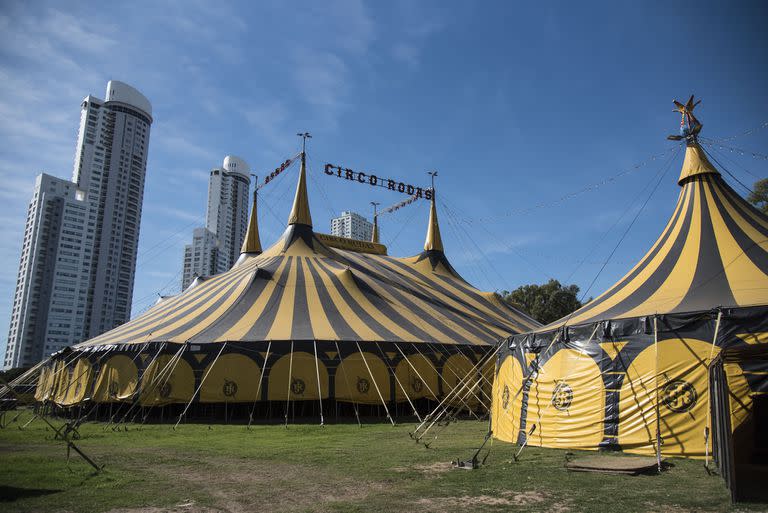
pixel 216 247
pixel 352 226
pixel 78 259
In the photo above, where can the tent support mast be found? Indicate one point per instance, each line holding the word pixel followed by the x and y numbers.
pixel 200 386
pixel 346 382
pixel 397 380
pixel 656 389
pixel 319 388
pixel 258 390
pixel 290 378
pixel 707 428
pixel 375 385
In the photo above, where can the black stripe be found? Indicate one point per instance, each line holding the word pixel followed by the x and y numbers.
pixel 236 313
pixel 456 315
pixel 748 245
pixel 337 321
pixel 263 323
pixel 180 311
pixel 502 322
pixel 420 313
pixel 743 207
pixel 709 287
pixel 302 327
pixel 372 323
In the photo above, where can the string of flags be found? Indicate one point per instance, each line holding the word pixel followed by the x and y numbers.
pixel 279 169
pixel 398 206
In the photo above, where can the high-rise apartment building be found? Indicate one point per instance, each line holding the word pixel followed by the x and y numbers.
pixel 352 226
pixel 216 248
pixel 78 259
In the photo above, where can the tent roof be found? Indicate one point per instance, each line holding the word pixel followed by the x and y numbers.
pixel 712 253
pixel 301 289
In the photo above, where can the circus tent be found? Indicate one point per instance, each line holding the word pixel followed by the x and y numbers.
pixel 311 318
pixel 634 368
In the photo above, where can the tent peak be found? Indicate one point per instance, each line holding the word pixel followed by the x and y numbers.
pixel 252 242
pixel 433 242
pixel 300 212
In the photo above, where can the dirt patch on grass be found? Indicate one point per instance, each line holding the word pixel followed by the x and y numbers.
pixel 244 485
pixel 185 507
pixel 520 499
pixel 427 469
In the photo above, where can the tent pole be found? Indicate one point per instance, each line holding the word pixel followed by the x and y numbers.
pixel 405 392
pixel 656 387
pixel 459 380
pixel 375 385
pixel 165 376
pixel 319 389
pixel 197 391
pixel 405 358
pixel 290 377
pixel 707 428
pixel 258 390
pixel 139 390
pixel 346 381
pixel 453 392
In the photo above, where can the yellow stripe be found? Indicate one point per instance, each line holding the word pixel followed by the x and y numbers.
pixel 679 280
pixel 214 316
pixel 619 295
pixel 321 327
pixel 428 282
pixel 246 322
pixel 176 306
pixel 374 312
pixel 414 318
pixel 735 198
pixel 282 326
pixel 355 322
pixel 194 314
pixel 748 283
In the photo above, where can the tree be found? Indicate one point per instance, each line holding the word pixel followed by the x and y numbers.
pixel 545 303
pixel 759 195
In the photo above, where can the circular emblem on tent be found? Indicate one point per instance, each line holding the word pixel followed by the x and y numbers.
pixel 230 388
pixel 298 386
pixel 113 389
pixel 417 385
pixel 165 390
pixel 679 396
pixel 505 397
pixel 363 385
pixel 562 397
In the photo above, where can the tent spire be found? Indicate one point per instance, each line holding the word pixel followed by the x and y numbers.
pixel 434 242
pixel 696 162
pixel 252 242
pixel 300 211
pixel 375 235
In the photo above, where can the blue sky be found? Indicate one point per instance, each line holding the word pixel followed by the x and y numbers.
pixel 515 105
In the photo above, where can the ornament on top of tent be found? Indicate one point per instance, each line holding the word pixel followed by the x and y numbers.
pixel 689 125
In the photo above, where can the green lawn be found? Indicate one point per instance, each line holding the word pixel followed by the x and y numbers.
pixel 310 468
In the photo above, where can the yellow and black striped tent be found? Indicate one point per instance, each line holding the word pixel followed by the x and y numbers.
pixel 631 369
pixel 304 320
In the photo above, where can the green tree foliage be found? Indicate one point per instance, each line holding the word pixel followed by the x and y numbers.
pixel 759 195
pixel 545 303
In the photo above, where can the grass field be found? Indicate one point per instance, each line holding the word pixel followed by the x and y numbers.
pixel 343 468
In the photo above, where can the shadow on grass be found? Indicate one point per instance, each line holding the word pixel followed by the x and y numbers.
pixel 11 493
